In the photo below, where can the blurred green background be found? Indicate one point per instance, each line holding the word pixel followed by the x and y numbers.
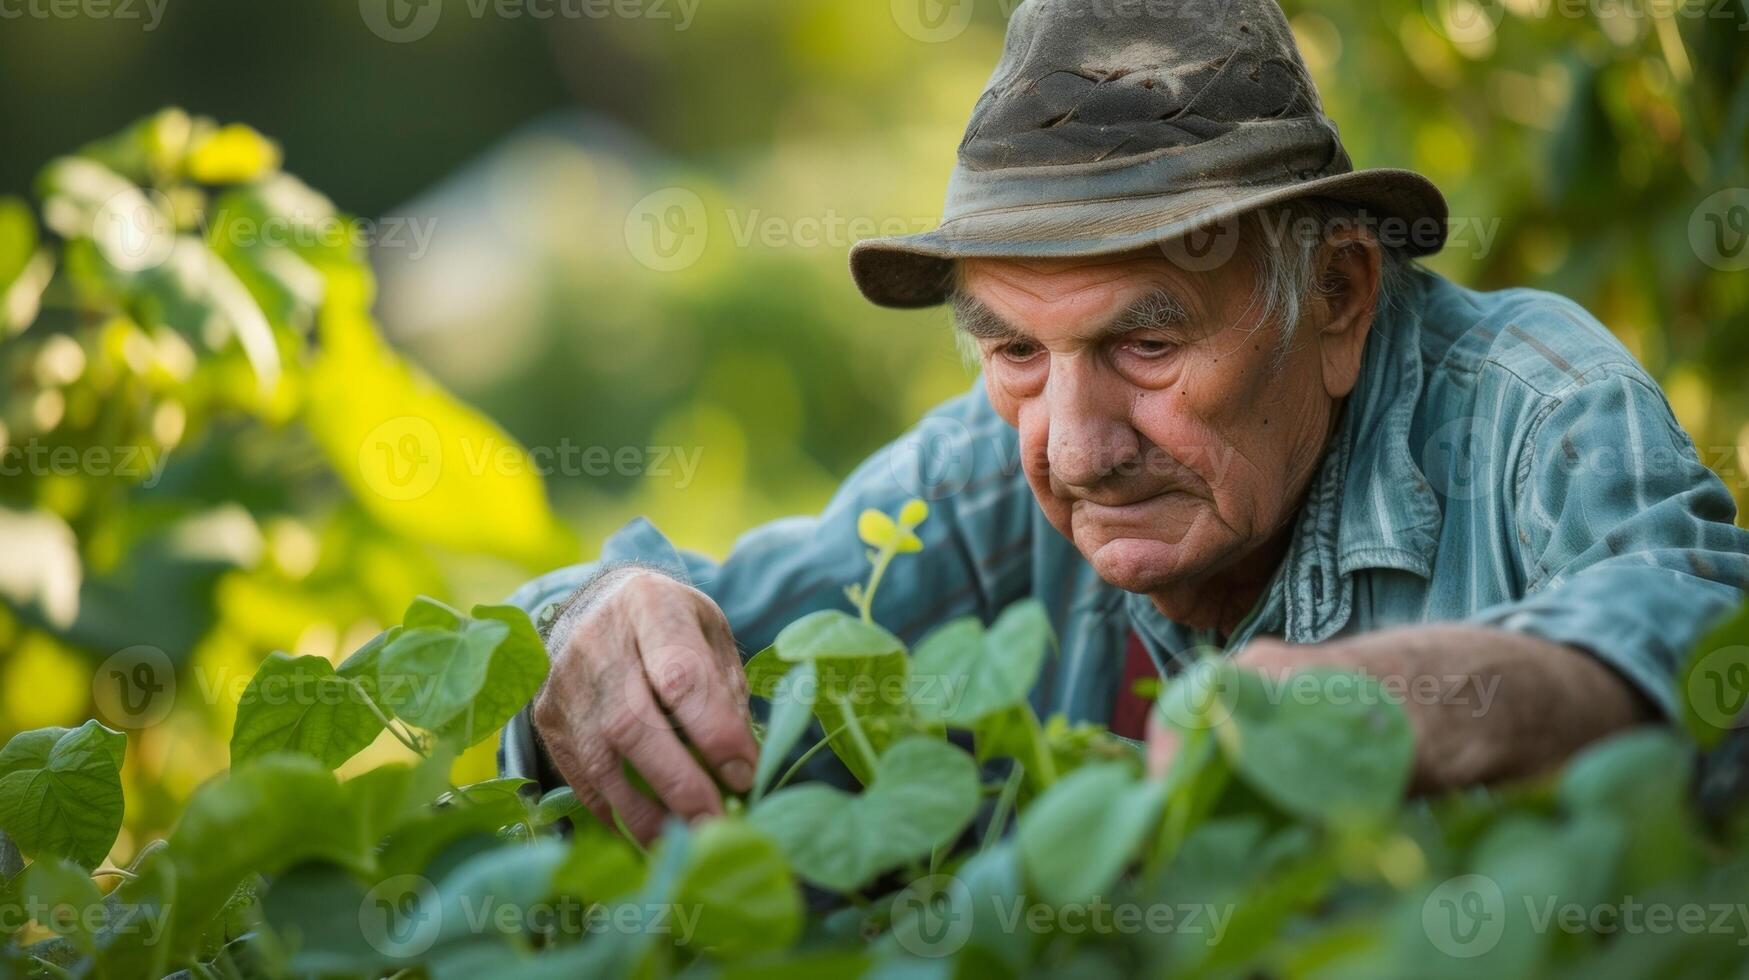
pixel 619 231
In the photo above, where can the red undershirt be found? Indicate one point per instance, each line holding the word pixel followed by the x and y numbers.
pixel 1129 712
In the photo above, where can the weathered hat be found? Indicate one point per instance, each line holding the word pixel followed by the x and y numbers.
pixel 1119 125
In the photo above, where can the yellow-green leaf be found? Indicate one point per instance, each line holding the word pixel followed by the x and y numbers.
pixel 235 154
pixel 419 460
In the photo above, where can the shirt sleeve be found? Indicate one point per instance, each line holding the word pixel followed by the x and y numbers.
pixel 961 458
pixel 1626 542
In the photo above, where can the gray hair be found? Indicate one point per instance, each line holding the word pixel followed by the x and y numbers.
pixel 1281 242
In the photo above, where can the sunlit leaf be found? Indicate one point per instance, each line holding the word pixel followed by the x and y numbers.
pixel 60 791
pixel 418 460
pixel 234 154
pixel 299 704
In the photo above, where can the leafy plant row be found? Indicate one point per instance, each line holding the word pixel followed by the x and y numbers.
pixel 980 841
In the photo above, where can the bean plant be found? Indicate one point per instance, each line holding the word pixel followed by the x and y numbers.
pixel 976 839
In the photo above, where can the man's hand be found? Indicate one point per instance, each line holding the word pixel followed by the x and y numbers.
pixel 1484 704
pixel 639 661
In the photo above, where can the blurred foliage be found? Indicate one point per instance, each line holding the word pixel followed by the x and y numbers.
pixel 256 376
pixel 208 441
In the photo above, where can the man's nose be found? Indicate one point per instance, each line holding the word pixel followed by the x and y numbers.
pixel 1090 431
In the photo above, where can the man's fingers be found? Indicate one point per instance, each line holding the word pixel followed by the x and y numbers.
pixel 572 770
pixel 702 687
pixel 641 734
pixel 640 814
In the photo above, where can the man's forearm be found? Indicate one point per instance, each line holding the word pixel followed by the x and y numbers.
pixel 1484 704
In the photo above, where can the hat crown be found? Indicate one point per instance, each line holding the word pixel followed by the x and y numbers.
pixel 1096 82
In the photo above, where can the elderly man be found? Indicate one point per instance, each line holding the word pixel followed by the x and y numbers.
pixel 1220 406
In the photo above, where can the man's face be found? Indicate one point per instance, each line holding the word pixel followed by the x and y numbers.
pixel 1161 428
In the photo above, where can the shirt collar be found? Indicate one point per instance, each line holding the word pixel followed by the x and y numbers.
pixel 1370 505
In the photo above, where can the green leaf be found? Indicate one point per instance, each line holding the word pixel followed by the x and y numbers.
pixel 515 673
pixel 386 797
pixel 923 795
pixel 299 704
pixel 872 692
pixel 262 818
pixel 318 911
pixel 426 612
pixel 1714 693
pixel 1641 779
pixel 1077 838
pixel 428 676
pixel 60 792
pixel 233 154
pixel 601 866
pixel 1325 745
pixel 556 805
pixel 764 669
pixel 736 879
pixel 17 239
pixel 11 862
pixel 962 674
pixel 415 457
pixel 62 898
pixel 792 707
pixel 511 876
pixel 969 914
pixel 832 633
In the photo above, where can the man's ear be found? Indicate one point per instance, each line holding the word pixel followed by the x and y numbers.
pixel 1350 266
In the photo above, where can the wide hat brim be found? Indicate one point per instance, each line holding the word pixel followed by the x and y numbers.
pixel 1404 208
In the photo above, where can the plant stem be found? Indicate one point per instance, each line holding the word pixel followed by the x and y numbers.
pixel 1004 805
pixel 796 766
pixel 388 722
pixel 1041 749
pixel 884 559
pixel 50 968
pixel 864 747
pixel 113 873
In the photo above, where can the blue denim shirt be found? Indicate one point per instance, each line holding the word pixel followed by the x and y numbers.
pixel 1503 461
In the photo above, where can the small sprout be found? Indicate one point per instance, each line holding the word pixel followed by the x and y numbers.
pixel 878 531
pixel 885 539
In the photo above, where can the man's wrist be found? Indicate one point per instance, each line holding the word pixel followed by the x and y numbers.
pixel 569 611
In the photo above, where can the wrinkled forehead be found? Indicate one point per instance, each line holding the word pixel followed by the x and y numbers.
pixel 992 297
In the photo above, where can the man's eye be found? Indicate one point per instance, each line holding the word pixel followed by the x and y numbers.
pixel 1148 347
pixel 1018 351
